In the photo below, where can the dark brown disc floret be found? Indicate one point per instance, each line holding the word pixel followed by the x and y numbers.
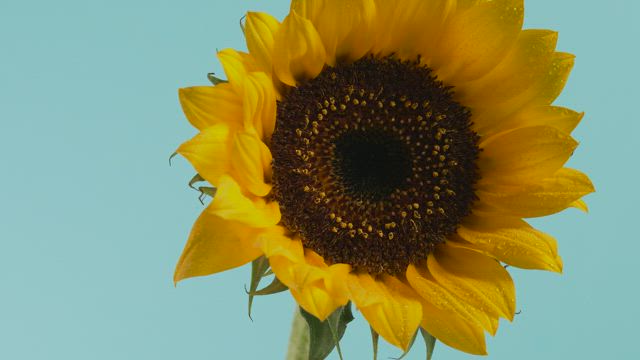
pixel 374 163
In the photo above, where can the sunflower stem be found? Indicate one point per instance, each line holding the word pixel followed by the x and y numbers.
pixel 299 338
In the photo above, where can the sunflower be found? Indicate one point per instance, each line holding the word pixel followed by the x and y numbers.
pixel 385 153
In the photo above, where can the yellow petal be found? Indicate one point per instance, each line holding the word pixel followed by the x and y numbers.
pixel 216 245
pixel 274 244
pixel 344 26
pixel 524 155
pixel 298 50
pixel 563 119
pixel 477 279
pixel 231 204
pixel 389 306
pixel 308 9
pixel 523 66
pixel 322 298
pixel 546 197
pixel 430 290
pixel 512 241
pixel 580 205
pixel 411 29
pixel 209 152
pixel 316 300
pixel 259 104
pixel 318 288
pixel 477 38
pixel 543 91
pixel 236 65
pixel 555 80
pixel 260 29
pixel 453 330
pixel 247 156
pixel 206 106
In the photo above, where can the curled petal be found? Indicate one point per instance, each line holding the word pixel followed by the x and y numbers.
pixel 260 29
pixel 231 204
pixel 318 288
pixel 298 50
pixel 249 158
pixel 237 65
pixel 259 105
pixel 344 26
pixel 205 106
pixel 209 152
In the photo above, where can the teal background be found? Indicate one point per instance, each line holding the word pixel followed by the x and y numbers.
pixel 93 218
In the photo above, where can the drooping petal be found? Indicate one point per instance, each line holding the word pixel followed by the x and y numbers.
pixel 452 330
pixel 477 38
pixel 389 306
pixel 260 29
pixel 512 241
pixel 430 290
pixel 216 245
pixel 205 106
pixel 312 283
pixel 259 104
pixel 545 197
pixel 298 50
pixel 209 152
pixel 524 155
pixel 248 156
pixel 237 65
pixel 475 278
pixel 231 204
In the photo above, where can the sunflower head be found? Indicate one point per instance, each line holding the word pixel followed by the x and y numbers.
pixel 385 153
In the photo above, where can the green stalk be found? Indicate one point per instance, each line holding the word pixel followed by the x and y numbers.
pixel 299 338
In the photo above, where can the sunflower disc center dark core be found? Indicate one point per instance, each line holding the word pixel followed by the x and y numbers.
pixel 374 163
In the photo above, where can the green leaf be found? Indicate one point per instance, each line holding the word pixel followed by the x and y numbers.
pixel 259 267
pixel 196 179
pixel 375 337
pixel 275 287
pixel 429 341
pixel 206 191
pixel 172 156
pixel 242 23
pixel 214 79
pixel 326 335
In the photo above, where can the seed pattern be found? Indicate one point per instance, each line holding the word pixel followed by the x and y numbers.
pixel 374 163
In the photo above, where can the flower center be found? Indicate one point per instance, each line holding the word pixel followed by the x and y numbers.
pixel 371 164
pixel 374 163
